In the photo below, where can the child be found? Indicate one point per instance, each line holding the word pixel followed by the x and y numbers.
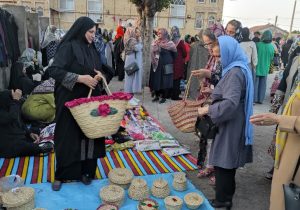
pixel 274 86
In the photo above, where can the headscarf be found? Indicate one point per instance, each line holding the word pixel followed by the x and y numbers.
pixel 130 40
pixel 281 136
pixel 49 36
pixel 164 43
pixel 5 99
pixel 238 29
pixel 186 38
pixel 232 55
pixel 295 44
pixel 80 46
pixel 266 37
pixel 245 35
pixel 175 34
pixel 217 29
pixel 120 32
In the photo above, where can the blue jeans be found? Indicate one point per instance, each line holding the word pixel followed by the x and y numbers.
pixel 260 89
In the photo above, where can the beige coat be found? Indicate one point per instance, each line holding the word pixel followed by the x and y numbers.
pixel 289 158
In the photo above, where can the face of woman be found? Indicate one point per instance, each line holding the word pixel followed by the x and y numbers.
pixel 90 35
pixel 207 42
pixel 138 33
pixel 230 30
pixel 216 52
pixel 159 34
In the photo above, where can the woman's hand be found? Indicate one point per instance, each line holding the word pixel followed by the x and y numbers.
pixel 35 137
pixel 201 73
pixel 203 111
pixel 265 119
pixel 99 75
pixel 88 81
pixel 206 90
pixel 16 94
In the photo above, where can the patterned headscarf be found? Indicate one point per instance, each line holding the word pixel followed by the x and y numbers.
pixel 217 29
pixel 175 34
pixel 130 40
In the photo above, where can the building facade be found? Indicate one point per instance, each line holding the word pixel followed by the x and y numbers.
pixel 276 31
pixel 39 6
pixel 188 15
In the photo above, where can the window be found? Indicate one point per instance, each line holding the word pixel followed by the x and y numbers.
pixel 67 4
pixel 177 13
pixel 199 20
pixel 200 1
pixel 40 11
pixel 95 10
pixel 211 20
pixel 213 1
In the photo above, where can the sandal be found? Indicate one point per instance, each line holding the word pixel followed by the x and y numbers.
pixel 205 172
pixel 56 185
pixel 212 180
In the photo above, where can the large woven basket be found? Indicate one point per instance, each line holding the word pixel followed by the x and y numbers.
pixel 138 189
pixel 112 194
pixel 99 126
pixel 19 199
pixel 173 203
pixel 160 188
pixel 193 200
pixel 121 177
pixel 184 113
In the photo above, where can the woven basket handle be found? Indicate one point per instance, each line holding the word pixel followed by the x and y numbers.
pixel 187 89
pixel 105 87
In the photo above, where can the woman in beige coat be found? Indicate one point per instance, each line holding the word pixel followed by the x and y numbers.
pixel 291 152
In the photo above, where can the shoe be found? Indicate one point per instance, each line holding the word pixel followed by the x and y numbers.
pixel 177 99
pixel 155 99
pixel 85 179
pixel 205 172
pixel 218 204
pixel 212 180
pixel 56 185
pixel 163 100
pixel 46 147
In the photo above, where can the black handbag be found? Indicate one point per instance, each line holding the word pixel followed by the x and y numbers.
pixel 131 68
pixel 292 192
pixel 205 128
pixel 168 69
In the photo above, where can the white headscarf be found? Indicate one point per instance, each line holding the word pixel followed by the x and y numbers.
pixel 49 36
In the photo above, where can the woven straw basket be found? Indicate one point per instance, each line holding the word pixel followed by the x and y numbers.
pixel 173 203
pixel 193 200
pixel 96 127
pixel 138 189
pixel 180 181
pixel 148 204
pixel 121 177
pixel 160 188
pixel 112 194
pixel 19 199
pixel 184 113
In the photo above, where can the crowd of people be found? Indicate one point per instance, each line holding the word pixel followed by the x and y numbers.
pixel 227 70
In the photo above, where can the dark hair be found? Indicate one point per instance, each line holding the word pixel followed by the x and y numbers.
pixel 193 39
pixel 256 33
pixel 207 32
pixel 245 34
pixel 237 24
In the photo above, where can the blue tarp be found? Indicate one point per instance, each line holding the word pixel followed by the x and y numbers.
pixel 78 196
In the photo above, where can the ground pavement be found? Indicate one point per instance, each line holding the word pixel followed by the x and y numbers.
pixel 253 190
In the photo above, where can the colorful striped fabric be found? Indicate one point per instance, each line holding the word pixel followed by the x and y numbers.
pixel 41 169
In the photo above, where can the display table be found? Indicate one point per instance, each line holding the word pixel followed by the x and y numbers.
pixel 79 196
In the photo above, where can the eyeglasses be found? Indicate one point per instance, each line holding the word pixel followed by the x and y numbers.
pixel 217 56
pixel 206 45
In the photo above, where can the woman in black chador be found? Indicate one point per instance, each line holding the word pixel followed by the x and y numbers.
pixel 75 69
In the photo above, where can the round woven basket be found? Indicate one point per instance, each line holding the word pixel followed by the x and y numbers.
pixel 180 181
pixel 99 126
pixel 160 188
pixel 193 200
pixel 121 177
pixel 173 203
pixel 112 194
pixel 148 204
pixel 21 198
pixel 107 207
pixel 138 189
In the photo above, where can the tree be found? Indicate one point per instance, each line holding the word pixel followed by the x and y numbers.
pixel 147 10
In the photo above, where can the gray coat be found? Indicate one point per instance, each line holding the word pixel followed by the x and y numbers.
pixel 228 149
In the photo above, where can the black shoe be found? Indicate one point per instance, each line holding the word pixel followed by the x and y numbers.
pixel 218 204
pixel 56 185
pixel 46 147
pixel 163 100
pixel 85 179
pixel 177 99
pixel 155 99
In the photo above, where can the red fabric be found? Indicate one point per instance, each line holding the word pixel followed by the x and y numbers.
pixel 120 32
pixel 179 61
pixel 187 49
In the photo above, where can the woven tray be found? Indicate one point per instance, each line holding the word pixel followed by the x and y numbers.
pixel 160 188
pixel 112 194
pixel 107 207
pixel 138 189
pixel 193 200
pixel 121 177
pixel 173 203
pixel 148 204
pixel 21 198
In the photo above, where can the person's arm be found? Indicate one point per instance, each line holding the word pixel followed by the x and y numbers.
pixel 289 124
pixel 224 110
pixel 254 59
pixel 183 49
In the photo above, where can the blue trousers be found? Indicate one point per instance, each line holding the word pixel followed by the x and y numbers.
pixel 260 89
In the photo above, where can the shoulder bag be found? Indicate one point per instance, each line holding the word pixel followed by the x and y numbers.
pixel 132 68
pixel 292 192
pixel 168 69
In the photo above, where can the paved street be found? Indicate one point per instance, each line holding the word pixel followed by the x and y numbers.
pixel 253 190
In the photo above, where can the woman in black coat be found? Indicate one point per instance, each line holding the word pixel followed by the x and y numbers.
pixel 75 69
